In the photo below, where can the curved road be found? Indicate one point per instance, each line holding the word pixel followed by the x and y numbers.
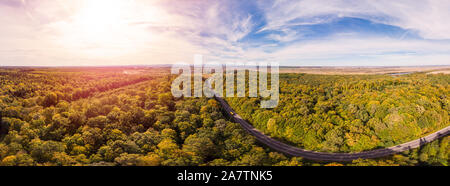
pixel 323 156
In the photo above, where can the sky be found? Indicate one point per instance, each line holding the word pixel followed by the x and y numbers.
pixel 293 33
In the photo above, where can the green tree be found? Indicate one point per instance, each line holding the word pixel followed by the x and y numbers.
pixel 50 99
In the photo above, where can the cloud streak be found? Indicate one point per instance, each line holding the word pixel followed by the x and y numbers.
pixel 307 32
pixel 428 17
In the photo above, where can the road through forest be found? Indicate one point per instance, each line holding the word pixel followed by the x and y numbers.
pixel 324 156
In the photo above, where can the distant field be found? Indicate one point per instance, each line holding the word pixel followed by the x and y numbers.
pixel 446 71
pixel 365 70
pixel 308 70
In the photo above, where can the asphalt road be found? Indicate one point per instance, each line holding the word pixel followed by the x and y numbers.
pixel 323 156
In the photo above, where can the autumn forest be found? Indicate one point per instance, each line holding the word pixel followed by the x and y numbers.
pixel 128 116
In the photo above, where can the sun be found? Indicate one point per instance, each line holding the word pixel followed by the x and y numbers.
pixel 101 20
pixel 103 28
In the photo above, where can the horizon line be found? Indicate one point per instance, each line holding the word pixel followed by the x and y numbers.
pixel 168 65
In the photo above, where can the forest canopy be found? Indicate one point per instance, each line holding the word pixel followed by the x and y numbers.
pixel 127 116
pixel 352 113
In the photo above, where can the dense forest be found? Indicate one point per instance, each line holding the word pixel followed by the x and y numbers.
pixel 352 113
pixel 127 116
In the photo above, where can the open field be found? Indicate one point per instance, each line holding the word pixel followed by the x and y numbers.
pixel 445 71
pixel 365 70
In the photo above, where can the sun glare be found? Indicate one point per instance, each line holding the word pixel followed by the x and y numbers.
pixel 98 20
pixel 101 28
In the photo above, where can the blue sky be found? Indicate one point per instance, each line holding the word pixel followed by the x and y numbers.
pixel 298 33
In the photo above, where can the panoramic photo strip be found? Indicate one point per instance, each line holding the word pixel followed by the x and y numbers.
pixel 224 91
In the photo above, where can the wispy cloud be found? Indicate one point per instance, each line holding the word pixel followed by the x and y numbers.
pixel 428 17
pixel 306 32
